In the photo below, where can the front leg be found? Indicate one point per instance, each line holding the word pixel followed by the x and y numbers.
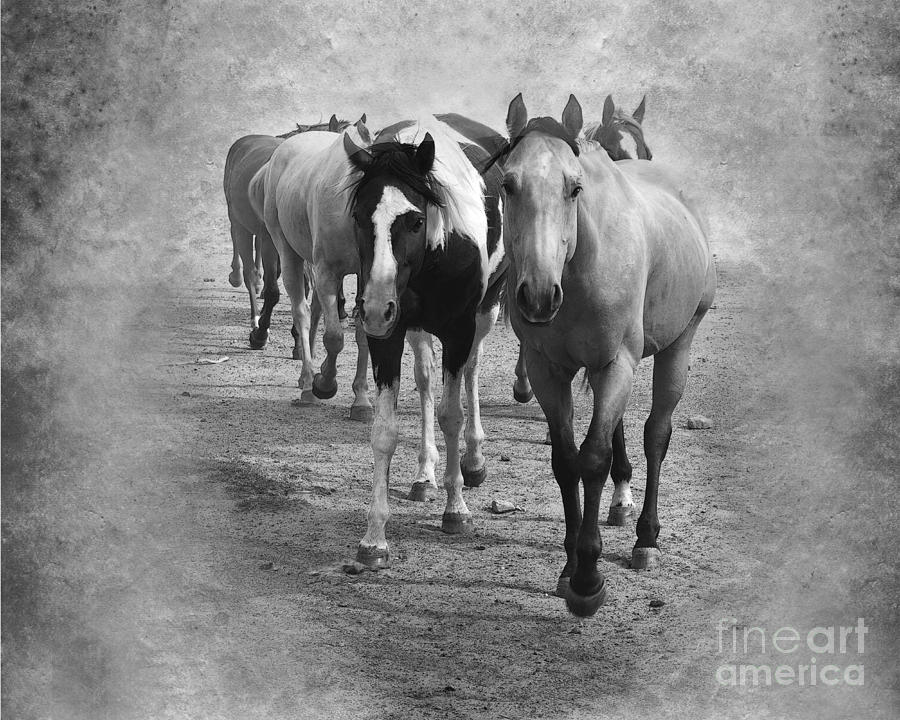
pixel 474 467
pixel 424 483
pixel 326 288
pixel 611 386
pixel 553 389
pixel 457 346
pixel 386 354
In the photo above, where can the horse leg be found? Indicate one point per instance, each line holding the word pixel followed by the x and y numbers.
pixel 242 239
pixel 611 386
pixel 361 409
pixel 326 287
pixel 387 353
pixel 474 467
pixel 553 389
pixel 234 277
pixel 258 264
pixel 670 368
pixel 424 483
pixel 457 345
pixel 259 336
pixel 621 507
pixel 315 309
pixel 522 391
pixel 342 304
pixel 292 266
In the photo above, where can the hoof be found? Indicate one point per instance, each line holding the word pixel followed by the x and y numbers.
pixel 321 391
pixel 645 558
pixel 374 558
pixel 308 398
pixel 585 605
pixel 258 339
pixel 474 478
pixel 421 491
pixel 620 516
pixel 362 413
pixel 562 587
pixel 522 397
pixel 457 523
pixel 234 279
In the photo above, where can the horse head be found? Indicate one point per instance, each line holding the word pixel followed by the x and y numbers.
pixel 542 179
pixel 620 134
pixel 391 205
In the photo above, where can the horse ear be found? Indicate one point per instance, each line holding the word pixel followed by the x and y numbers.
pixel 363 131
pixel 362 118
pixel 425 154
pixel 639 113
pixel 572 119
pixel 608 109
pixel 516 117
pixel 334 124
pixel 360 157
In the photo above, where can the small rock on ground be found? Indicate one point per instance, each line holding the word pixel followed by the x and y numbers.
pixel 698 422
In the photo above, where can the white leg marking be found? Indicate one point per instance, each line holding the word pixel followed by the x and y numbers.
pixel 420 342
pixel 621 495
pixel 385 433
pixel 450 417
pixel 474 457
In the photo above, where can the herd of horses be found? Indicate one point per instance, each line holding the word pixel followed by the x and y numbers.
pixel 595 253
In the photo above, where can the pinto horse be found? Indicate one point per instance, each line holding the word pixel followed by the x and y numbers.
pixel 313 233
pixel 245 157
pixel 427 247
pixel 608 265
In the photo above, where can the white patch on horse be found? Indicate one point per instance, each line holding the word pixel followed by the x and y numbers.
pixel 622 495
pixel 499 251
pixel 393 203
pixel 628 143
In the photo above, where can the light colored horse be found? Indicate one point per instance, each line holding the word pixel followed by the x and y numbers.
pixel 608 264
pixel 312 230
pixel 245 157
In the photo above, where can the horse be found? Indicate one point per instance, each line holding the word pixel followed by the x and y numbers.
pixel 309 225
pixel 615 132
pixel 609 264
pixel 429 242
pixel 245 157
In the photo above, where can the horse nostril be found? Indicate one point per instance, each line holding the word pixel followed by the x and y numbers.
pixel 522 295
pixel 557 296
pixel 391 309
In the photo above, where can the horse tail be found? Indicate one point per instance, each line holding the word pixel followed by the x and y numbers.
pixel 256 192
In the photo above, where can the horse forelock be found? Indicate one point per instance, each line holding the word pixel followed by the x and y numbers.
pixel 456 186
pixel 545 125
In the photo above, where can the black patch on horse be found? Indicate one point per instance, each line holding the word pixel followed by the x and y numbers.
pixel 397 161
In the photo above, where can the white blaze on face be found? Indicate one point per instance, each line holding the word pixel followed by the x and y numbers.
pixel 628 143
pixel 393 203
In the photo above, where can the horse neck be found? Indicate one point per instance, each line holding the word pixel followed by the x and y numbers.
pixel 608 198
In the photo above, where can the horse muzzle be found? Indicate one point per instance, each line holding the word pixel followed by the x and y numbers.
pixel 538 306
pixel 379 318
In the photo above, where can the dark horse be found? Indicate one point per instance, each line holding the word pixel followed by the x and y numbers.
pixel 426 253
pixel 245 157
pixel 608 264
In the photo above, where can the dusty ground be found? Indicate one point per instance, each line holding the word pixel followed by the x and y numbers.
pixel 173 533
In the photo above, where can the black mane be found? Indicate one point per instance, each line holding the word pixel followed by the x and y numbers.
pixel 546 125
pixel 398 161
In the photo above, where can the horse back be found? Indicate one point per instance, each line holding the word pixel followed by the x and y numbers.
pixel 245 157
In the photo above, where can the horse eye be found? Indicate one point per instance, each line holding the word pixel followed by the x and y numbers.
pixel 417 225
pixel 506 186
pixel 576 191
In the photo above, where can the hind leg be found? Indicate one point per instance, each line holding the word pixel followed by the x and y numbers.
pixel 292 266
pixel 522 391
pixel 258 264
pixel 670 369
pixel 621 507
pixel 326 287
pixel 271 264
pixel 242 239
pixel 474 467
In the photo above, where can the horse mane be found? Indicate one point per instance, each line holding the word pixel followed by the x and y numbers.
pixel 546 125
pixel 453 188
pixel 342 124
